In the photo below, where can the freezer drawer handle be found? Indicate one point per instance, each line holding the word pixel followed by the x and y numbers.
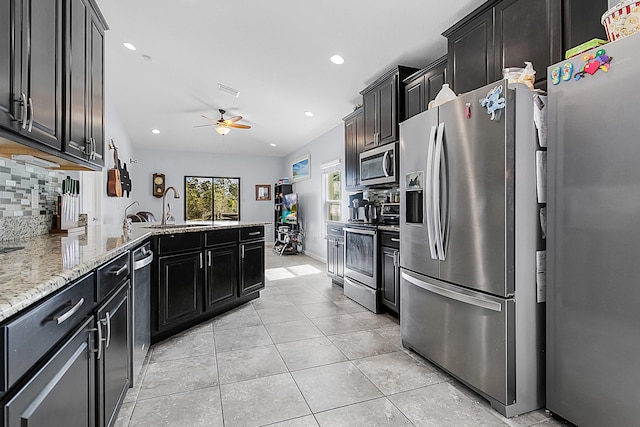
pixel 467 299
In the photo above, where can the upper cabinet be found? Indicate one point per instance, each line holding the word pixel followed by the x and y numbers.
pixel 506 33
pixel 84 83
pixel 422 87
pixel 353 146
pixel 31 87
pixel 51 81
pixel 383 104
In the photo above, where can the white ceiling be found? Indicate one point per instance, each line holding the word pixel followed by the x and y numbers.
pixel 276 53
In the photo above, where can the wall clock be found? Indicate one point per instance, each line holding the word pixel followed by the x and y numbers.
pixel 158 184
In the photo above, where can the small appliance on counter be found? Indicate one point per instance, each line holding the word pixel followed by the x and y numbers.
pixel 356 208
pixel 390 213
pixel 371 212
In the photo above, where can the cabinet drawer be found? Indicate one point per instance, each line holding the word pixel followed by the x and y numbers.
pixel 220 237
pixel 111 274
pixel 252 233
pixel 175 243
pixel 335 230
pixel 390 239
pixel 32 335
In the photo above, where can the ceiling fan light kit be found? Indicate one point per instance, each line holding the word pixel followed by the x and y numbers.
pixel 223 130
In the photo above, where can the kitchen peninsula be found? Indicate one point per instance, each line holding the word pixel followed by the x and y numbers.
pixel 69 307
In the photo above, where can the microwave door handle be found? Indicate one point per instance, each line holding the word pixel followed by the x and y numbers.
pixel 428 196
pixel 385 164
pixel 437 223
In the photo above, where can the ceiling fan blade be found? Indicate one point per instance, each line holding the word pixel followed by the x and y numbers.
pixel 201 126
pixel 208 118
pixel 234 119
pixel 238 126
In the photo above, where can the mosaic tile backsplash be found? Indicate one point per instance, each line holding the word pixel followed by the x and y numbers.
pixel 19 184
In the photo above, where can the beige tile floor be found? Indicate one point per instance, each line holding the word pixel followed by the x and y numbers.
pixel 301 355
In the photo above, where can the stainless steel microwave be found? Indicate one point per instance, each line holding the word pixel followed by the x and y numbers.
pixel 379 166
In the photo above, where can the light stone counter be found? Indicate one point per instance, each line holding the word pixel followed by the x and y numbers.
pixel 47 263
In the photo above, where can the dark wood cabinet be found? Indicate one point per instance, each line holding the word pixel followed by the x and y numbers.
pixel 62 391
pixel 390 270
pixel 84 82
pixel 335 253
pixel 251 267
pixel 179 290
pixel 353 146
pixel 113 362
pixel 32 91
pixel 422 87
pixel 501 34
pixel 221 275
pixel 383 105
pixel 581 21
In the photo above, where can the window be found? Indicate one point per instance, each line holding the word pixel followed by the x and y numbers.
pixel 331 189
pixel 211 198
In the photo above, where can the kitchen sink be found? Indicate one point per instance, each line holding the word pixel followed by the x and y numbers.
pixel 10 249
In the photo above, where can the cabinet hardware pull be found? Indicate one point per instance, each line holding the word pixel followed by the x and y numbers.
pixel 121 270
pixel 200 256
pixel 99 340
pixel 242 251
pixel 255 233
pixel 108 318
pixel 23 106
pixel 209 258
pixel 30 120
pixel 60 319
pixel 393 239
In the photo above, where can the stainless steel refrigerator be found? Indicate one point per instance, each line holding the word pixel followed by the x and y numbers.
pixel 469 231
pixel 593 308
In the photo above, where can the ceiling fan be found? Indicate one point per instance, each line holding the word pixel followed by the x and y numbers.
pixel 223 126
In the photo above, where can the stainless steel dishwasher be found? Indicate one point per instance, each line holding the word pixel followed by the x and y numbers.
pixel 141 308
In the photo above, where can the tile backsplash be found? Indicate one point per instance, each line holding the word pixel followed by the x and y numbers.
pixel 19 184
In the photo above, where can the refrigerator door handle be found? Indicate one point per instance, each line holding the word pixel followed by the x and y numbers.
pixel 467 299
pixel 428 195
pixel 437 223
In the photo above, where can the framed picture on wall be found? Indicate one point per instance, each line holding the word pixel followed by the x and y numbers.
pixel 301 169
pixel 263 192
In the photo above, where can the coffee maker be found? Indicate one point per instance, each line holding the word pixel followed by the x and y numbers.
pixel 356 207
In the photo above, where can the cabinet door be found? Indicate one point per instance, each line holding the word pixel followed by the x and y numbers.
pixel 42 69
pixel 331 257
pixel 527 30
pixel 581 21
pixel 390 279
pixel 414 97
pixel 222 275
pixel 434 80
pixel 471 58
pixel 339 276
pixel 251 267
pixel 8 47
pixel 62 392
pixel 388 111
pixel 180 289
pixel 113 364
pixel 96 90
pixel 370 105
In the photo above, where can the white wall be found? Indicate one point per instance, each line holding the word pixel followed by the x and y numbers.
pixel 175 165
pixel 323 149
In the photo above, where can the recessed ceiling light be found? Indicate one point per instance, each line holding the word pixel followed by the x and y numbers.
pixel 129 46
pixel 273 145
pixel 156 131
pixel 337 59
pixel 308 114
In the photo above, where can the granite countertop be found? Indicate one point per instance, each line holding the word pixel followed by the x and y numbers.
pixel 47 263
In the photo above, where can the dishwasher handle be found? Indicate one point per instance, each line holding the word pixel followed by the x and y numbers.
pixel 141 263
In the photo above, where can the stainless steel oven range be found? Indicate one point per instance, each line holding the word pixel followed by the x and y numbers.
pixel 360 265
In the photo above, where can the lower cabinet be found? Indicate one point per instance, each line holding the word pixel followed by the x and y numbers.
pixel 179 296
pixel 113 355
pixel 251 267
pixel 390 271
pixel 221 275
pixel 62 391
pixel 335 253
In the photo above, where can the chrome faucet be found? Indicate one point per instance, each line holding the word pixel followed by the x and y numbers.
pixel 127 222
pixel 176 195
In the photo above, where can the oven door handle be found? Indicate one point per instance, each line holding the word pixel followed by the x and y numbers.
pixel 359 231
